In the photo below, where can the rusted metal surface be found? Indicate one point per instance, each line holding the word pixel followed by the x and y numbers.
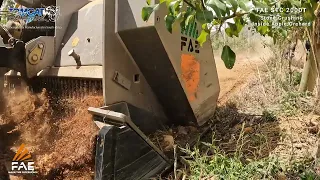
pixel 190 68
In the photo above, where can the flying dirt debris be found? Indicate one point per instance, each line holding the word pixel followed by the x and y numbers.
pixel 92 96
pixel 52 132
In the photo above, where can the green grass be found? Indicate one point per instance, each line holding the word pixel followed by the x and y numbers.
pixel 221 166
pixel 218 165
pixel 280 100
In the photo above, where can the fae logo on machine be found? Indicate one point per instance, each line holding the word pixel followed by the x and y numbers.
pixel 48 14
pixel 22 162
pixel 188 38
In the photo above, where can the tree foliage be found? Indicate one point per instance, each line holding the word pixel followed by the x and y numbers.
pixel 215 13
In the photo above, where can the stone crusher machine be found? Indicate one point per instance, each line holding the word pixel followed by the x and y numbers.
pixel 148 77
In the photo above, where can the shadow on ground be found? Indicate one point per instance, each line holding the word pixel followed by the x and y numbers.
pixel 233 132
pixel 253 135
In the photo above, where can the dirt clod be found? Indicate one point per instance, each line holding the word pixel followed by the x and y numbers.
pixel 281 176
pixel 182 130
pixel 192 129
pixel 313 129
pixel 169 142
pixel 248 130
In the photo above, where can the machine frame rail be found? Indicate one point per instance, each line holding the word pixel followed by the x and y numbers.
pixel 123 150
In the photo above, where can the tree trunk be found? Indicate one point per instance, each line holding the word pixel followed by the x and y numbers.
pixel 317 46
pixel 310 71
pixel 305 75
pixel 312 78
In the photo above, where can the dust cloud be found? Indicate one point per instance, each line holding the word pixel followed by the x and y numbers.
pixel 60 134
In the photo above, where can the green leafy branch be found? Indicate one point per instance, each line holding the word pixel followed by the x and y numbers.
pixel 211 13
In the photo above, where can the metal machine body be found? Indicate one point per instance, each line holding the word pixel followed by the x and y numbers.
pixel 181 73
pixel 139 62
pixel 149 76
pixel 132 126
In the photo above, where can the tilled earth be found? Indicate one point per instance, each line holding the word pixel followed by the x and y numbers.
pixel 59 134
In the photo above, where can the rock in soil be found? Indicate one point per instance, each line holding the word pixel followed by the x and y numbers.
pixel 169 142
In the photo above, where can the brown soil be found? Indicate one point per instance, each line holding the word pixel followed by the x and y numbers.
pixel 248 62
pixel 231 80
pixel 245 67
pixel 247 86
pixel 59 134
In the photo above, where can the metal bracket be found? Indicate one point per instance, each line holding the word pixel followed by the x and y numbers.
pixel 125 120
pixel 121 80
pixel 44 57
pixel 36 53
pixel 123 131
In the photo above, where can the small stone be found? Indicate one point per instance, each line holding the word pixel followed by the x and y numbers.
pixel 192 129
pixel 182 130
pixel 313 129
pixel 248 130
pixel 318 151
pixel 314 121
pixel 168 142
pixel 239 126
pixel 281 176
